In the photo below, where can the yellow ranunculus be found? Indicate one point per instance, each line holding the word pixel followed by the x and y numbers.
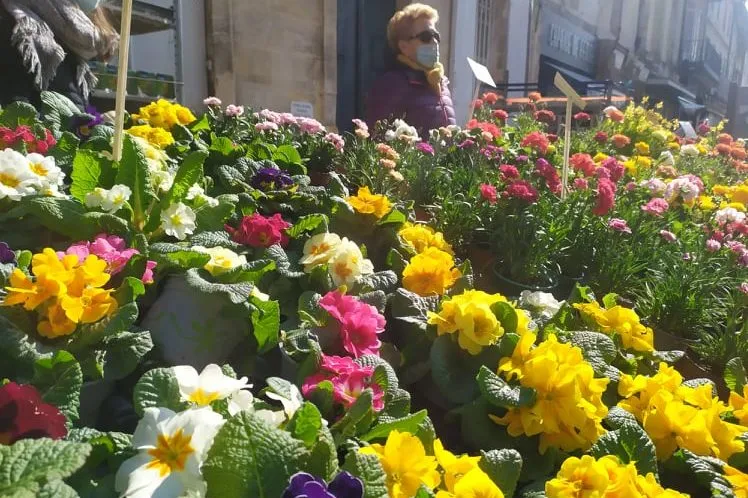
pixel 431 272
pixel 642 148
pixel 421 237
pixel 367 203
pixel 600 157
pixel 722 190
pixel 706 203
pixel 406 464
pixel 735 205
pixel 568 410
pixel 739 193
pixel 673 146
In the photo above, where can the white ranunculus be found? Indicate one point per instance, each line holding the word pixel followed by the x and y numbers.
pixel 209 385
pixel 689 150
pixel 178 221
pixel 729 215
pixel 666 158
pixel 171 448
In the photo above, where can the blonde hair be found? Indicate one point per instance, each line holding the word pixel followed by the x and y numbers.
pixel 401 23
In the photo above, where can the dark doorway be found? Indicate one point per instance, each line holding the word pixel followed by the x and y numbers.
pixel 362 53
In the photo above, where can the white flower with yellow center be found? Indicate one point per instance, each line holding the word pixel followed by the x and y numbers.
pixel 195 191
pixel 162 180
pixel 348 264
pixel 16 178
pixel 689 150
pixel 221 259
pixel 319 249
pixel 116 198
pixel 208 386
pixel 171 449
pixel 178 221
pixel 45 169
pixel 95 198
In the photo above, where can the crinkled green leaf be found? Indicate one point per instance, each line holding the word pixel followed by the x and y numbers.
pixel 251 458
pixel 599 350
pixel 618 417
pixel 394 217
pixel 631 445
pixel 212 218
pixel 506 315
pixel 189 173
pixel 133 172
pixel 370 471
pixel 266 324
pixel 409 423
pixel 452 371
pixel 735 376
pixel 59 380
pixel 17 351
pixel 307 223
pixel 306 424
pixel 237 293
pixel 124 352
pixel 412 308
pixel 285 267
pixel 65 150
pixel 383 281
pixel 18 113
pixel 85 175
pixel 503 467
pixel 500 394
pixel 157 388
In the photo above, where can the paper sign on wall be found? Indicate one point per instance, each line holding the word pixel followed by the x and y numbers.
pixel 481 72
pixel 302 109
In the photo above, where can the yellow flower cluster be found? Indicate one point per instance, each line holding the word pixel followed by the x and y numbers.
pixel 408 467
pixel 569 409
pixel 737 195
pixel 155 136
pixel 738 480
pixel 65 292
pixel 430 272
pixel 367 203
pixel 469 316
pixel 164 114
pixel 739 405
pixel 677 416
pixel 421 237
pixel 620 321
pixel 605 477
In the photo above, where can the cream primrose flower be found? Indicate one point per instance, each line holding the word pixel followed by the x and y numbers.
pixel 348 264
pixel 243 401
pixel 171 449
pixel 541 302
pixel 116 198
pixel 178 221
pixel 208 386
pixel 221 259
pixel 196 193
pixel 95 198
pixel 17 180
pixel 319 250
pixel 46 170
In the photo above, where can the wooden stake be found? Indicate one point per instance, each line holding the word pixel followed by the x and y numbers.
pixel 572 98
pixel 124 55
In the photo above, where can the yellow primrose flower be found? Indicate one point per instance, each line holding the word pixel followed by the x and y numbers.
pixel 319 250
pixel 454 467
pixel 406 464
pixel 621 321
pixel 367 203
pixel 31 294
pixel 673 146
pixel 476 484
pixel 90 306
pixel 431 272
pixel 164 114
pixel 158 137
pixel 661 135
pixel 644 162
pixel 702 150
pixel 642 148
pixel 650 488
pixel 631 167
pixel 420 237
pixel 739 406
pixel 568 410
pixel 55 323
pixel 738 480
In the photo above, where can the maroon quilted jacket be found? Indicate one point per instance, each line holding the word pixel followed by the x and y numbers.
pixel 405 93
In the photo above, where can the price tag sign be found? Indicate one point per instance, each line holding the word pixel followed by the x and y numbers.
pixel 302 109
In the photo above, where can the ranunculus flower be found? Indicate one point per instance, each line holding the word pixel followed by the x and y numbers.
pixel 614 167
pixel 522 190
pixel 601 137
pixel 656 207
pixel 508 171
pixel 234 111
pixel 545 116
pixel 724 138
pixel 501 114
pixel 613 113
pixel 537 141
pixel 582 116
pixel 303 485
pixel 212 101
pixel 266 126
pixel 534 96
pixel 704 128
pixel 488 192
pixel 336 140
pixel 425 147
pixel 584 163
pixel 620 141
pixel 606 197
pixel 23 415
pixel 619 225
pixel 668 236
pixel 713 245
pixel 491 128
pixel 549 173
pixel 477 103
pixel 490 98
pixel 581 184
pixel 260 231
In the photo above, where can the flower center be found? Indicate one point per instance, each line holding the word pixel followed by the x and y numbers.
pixel 171 453
pixel 39 169
pixel 176 219
pixel 320 249
pixel 86 301
pixel 343 270
pixel 203 398
pixel 9 180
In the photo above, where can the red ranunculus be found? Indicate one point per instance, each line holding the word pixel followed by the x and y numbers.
pixel 545 116
pixel 501 114
pixel 490 98
pixel 601 137
pixel 537 141
pixel 23 415
pixel 508 171
pixel 724 138
pixel 259 231
pixel 522 189
pixel 606 197
pixel 582 116
pixel 488 192
pixel 584 163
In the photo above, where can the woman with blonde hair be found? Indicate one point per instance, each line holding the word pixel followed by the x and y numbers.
pixel 416 89
pixel 46 45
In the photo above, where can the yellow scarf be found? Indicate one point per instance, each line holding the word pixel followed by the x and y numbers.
pixel 433 75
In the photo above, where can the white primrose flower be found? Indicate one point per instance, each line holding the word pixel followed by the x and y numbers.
pixel 195 191
pixel 46 170
pixel 319 250
pixel 178 221
pixel 208 386
pixel 17 180
pixel 348 264
pixel 541 302
pixel 116 198
pixel 171 449
pixel 95 198
pixel 258 294
pixel 221 259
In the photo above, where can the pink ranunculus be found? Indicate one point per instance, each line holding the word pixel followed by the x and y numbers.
pixel 336 140
pixel 743 288
pixel 656 207
pixel 601 137
pixel 713 245
pixel 581 184
pixel 582 116
pixel 630 186
pixel 425 148
pixel 615 168
pixel 212 101
pixel 501 114
pixel 536 140
pixel 619 225
pixel 606 197
pixel 488 192
pixel 310 126
pixel 522 189
pixel 735 246
pixel 259 231
pixel 359 124
pixel 266 126
pixel 668 236
pixel 549 173
pixel 743 258
pixel 234 111
pixel 466 144
pixel 655 186
pixel 584 163
pixel 508 172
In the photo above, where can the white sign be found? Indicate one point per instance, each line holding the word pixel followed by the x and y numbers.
pixel 688 130
pixel 481 72
pixel 302 109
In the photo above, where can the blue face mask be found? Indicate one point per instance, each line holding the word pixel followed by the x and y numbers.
pixel 428 55
pixel 88 6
